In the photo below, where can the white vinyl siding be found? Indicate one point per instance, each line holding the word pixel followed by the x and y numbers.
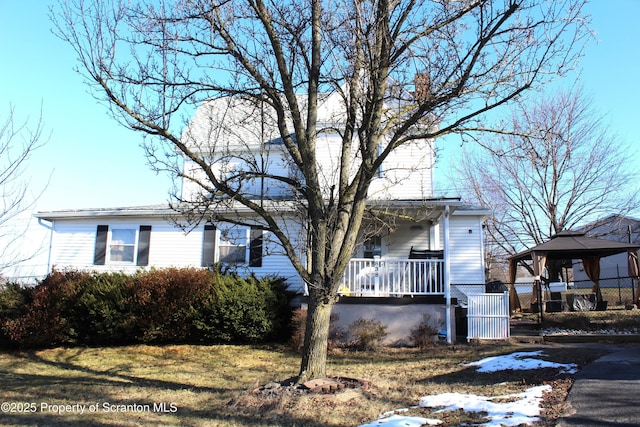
pixel 227 129
pixel 405 174
pixel 73 245
pixel 466 254
pixel 171 247
pixel 466 257
pixel 405 236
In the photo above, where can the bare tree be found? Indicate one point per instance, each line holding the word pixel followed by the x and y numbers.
pixel 561 167
pixel 18 140
pixel 154 61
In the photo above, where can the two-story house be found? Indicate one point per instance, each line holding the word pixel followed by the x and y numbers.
pixel 432 247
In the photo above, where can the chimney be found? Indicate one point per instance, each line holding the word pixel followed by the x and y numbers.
pixel 422 84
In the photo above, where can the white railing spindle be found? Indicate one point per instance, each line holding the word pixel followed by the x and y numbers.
pixel 393 277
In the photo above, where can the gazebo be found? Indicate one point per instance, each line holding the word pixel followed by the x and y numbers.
pixel 569 245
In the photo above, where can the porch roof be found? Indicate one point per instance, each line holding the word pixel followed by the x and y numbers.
pixel 426 209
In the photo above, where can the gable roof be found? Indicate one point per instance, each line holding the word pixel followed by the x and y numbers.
pixel 615 227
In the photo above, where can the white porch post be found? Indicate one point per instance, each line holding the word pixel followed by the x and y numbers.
pixel 376 278
pixel 447 272
pixel 434 236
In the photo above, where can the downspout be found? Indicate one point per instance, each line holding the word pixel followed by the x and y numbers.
pixel 50 228
pixel 447 274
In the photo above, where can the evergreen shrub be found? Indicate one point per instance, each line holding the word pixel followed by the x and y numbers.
pixel 174 305
pixel 13 301
pixel 244 310
pixel 102 313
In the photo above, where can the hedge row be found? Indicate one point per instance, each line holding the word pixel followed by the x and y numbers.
pixel 157 306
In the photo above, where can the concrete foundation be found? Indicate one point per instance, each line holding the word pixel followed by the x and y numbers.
pixel 400 315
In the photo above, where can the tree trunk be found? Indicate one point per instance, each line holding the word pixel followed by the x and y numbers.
pixel 314 359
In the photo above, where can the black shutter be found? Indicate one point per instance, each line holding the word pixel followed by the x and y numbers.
pixel 100 254
pixel 209 245
pixel 255 248
pixel 144 238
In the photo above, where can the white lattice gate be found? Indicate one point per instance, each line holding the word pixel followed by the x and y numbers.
pixel 488 316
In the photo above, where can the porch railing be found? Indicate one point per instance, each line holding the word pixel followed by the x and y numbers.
pixel 393 277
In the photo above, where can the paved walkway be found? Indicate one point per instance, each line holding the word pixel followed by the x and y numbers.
pixel 607 392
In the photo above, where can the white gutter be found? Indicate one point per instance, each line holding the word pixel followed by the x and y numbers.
pixel 50 228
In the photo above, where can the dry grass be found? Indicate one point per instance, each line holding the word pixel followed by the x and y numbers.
pixel 205 386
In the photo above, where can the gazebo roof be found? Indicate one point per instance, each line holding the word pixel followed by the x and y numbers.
pixel 574 245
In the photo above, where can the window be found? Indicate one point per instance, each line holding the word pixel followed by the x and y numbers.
pixel 233 245
pixel 122 245
pixel 373 247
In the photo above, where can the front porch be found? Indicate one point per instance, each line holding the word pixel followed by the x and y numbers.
pixel 395 277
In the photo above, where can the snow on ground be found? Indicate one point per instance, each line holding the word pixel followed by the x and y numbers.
pixel 509 410
pixel 400 421
pixel 521 408
pixel 520 361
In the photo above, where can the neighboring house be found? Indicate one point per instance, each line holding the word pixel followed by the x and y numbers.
pixel 618 228
pixel 445 235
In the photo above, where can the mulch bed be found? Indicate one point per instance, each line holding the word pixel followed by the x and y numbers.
pixel 319 386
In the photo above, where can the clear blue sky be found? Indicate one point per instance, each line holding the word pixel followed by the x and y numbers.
pixel 93 162
pixel 609 73
pixel 90 161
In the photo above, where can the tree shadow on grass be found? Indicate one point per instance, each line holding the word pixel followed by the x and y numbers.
pixel 530 377
pixel 470 377
pixel 120 379
pixel 72 383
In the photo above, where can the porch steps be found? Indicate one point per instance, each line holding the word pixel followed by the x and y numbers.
pixel 525 331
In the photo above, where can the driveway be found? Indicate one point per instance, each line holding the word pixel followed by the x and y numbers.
pixel 606 392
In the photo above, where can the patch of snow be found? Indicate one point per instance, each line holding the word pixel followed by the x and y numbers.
pixel 400 421
pixel 396 411
pixel 523 410
pixel 522 361
pixel 510 410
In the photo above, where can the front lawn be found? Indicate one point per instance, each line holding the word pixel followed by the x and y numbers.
pixel 210 385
